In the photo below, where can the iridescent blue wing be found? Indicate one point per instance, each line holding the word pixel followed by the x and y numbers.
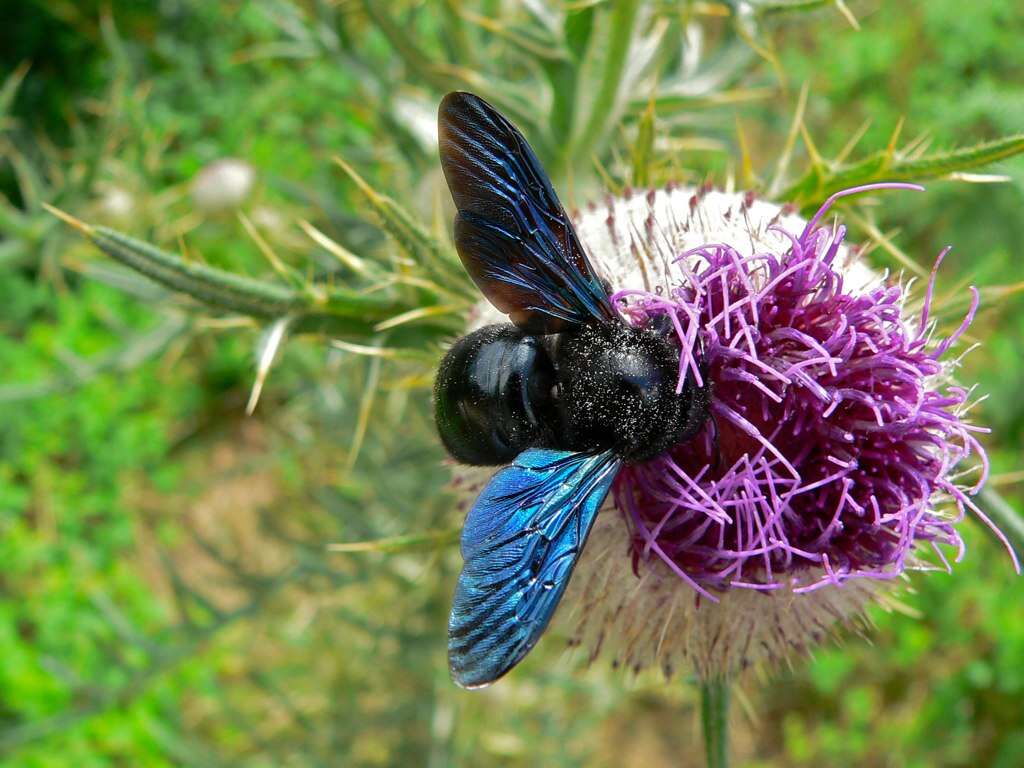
pixel 511 231
pixel 521 540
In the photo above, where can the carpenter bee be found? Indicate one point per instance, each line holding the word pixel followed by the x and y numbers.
pixel 565 394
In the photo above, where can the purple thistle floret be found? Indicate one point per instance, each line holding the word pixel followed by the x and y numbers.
pixel 835 433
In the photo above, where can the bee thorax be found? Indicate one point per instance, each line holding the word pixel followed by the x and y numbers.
pixel 617 389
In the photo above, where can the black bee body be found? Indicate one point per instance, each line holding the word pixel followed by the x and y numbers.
pixel 564 395
pixel 501 390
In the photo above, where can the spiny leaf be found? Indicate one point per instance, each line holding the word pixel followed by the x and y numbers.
pixel 426 251
pixel 820 182
pixel 207 284
pixel 311 307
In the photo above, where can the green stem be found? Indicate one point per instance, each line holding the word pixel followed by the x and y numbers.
pixel 714 715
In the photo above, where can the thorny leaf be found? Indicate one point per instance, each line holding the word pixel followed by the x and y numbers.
pixel 824 179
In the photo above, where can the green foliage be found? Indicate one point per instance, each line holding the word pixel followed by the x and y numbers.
pixel 168 594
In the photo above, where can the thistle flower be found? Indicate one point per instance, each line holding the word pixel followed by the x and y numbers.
pixel 834 459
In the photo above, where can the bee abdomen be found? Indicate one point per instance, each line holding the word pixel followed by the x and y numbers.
pixel 492 395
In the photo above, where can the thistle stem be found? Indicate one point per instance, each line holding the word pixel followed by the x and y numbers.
pixel 714 715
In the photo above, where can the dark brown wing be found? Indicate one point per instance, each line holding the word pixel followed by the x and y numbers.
pixel 512 234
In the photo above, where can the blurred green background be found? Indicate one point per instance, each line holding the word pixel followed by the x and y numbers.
pixel 166 592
